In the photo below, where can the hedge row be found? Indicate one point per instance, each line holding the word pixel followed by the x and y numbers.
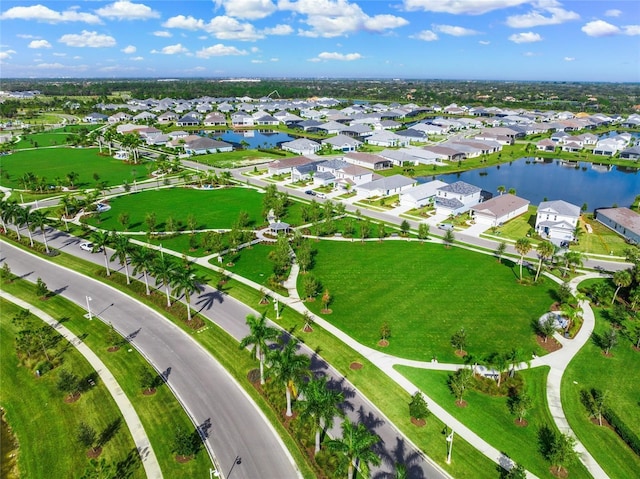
pixel 626 434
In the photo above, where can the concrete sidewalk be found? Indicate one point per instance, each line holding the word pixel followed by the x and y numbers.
pixel 140 438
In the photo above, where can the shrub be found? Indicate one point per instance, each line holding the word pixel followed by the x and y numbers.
pixel 625 433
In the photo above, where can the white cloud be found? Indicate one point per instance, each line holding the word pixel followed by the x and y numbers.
pixel 525 37
pixel 537 18
pixel 56 54
pixel 274 59
pixel 484 42
pixel 129 49
pixel 136 59
pixel 345 57
pixel 125 10
pixel 426 35
pixel 333 18
pixel 162 34
pixel 172 49
pixel 219 50
pixel 631 30
pixel 600 28
pixel 469 7
pixel 257 61
pixel 455 31
pixel 39 44
pixel 87 39
pixel 26 37
pixel 613 13
pixel 227 28
pixel 50 66
pixel 186 23
pixel 249 9
pixel 569 59
pixel 278 30
pixel 531 54
pixel 40 13
pixel 255 49
pixel 6 54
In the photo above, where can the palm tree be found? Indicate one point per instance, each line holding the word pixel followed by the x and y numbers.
pixel 16 215
pixel 100 240
pixel 122 248
pixel 621 279
pixel 289 368
pixel 185 282
pixel 72 177
pixel 356 445
pixel 523 246
pixel 142 260
pixel 38 219
pixel 573 260
pixel 258 336
pixel 545 251
pixel 164 270
pixel 321 404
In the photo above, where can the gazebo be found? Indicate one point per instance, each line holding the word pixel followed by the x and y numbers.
pixel 278 227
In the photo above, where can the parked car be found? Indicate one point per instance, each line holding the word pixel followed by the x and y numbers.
pixel 310 192
pixel 87 246
pixel 445 226
pixel 321 196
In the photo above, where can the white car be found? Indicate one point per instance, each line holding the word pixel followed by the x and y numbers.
pixel 87 246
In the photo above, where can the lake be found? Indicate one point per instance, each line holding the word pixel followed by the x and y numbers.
pixel 255 138
pixel 597 185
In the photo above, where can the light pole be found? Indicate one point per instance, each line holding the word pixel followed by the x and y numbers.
pixel 88 298
pixel 450 446
pixel 216 473
pixel 276 306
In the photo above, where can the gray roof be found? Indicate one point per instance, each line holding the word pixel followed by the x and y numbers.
pixel 324 175
pixel 623 216
pixel 460 187
pixel 388 183
pixel 206 144
pixel 301 143
pixel 451 203
pixel 559 207
pixel 334 164
pixel 499 206
pixel 424 190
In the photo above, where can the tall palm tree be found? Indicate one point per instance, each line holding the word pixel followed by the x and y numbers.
pixel 573 260
pixel 38 220
pixel 100 240
pixel 356 444
pixel 545 251
pixel 523 246
pixel 621 279
pixel 185 282
pixel 122 248
pixel 5 213
pixel 164 270
pixel 259 333
pixel 24 218
pixel 289 368
pixel 142 260
pixel 321 404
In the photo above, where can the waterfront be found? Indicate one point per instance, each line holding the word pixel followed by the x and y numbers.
pixel 578 183
pixel 252 138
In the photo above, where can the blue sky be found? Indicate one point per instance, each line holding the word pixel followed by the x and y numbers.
pixel 447 39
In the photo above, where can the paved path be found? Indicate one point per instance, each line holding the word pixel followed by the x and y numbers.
pixel 140 438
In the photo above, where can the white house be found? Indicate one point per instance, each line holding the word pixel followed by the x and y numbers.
pixel 387 139
pixel 499 210
pixel 343 143
pixel 457 198
pixel 421 195
pixel 557 220
pixel 385 186
pixel 368 160
pixel 204 145
pixel 285 166
pixel 301 146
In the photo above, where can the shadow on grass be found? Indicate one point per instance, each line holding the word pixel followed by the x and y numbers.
pixel 109 432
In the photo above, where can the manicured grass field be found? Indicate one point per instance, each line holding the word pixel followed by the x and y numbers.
pixel 51 137
pixel 237 158
pixel 161 414
pixel 602 240
pixel 56 163
pixel 218 208
pixel 620 376
pixel 44 424
pixel 489 417
pixel 252 263
pixel 426 292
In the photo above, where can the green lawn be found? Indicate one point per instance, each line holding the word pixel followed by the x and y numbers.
pixel 44 424
pixel 218 208
pixel 237 158
pixel 426 292
pixel 50 138
pixel 55 163
pixel 252 263
pixel 489 417
pixel 161 414
pixel 620 375
pixel 601 240
pixel 182 243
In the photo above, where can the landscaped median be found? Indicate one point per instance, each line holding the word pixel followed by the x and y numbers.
pixel 160 413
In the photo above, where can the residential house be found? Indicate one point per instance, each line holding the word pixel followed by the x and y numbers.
pixel 188 120
pixel 457 198
pixel 387 139
pixel 203 145
pixel 412 155
pixel 343 143
pixel 215 119
pixel 95 118
pixel 304 172
pixel 621 220
pixel 241 118
pixel 632 153
pixel 499 209
pixel 385 186
pixel 301 146
pixel 167 117
pixel 144 116
pixel 284 166
pixel 411 134
pixel 557 220
pixel 119 118
pixel 368 160
pixel 546 145
pixel 342 174
pixel 421 195
pixel 445 152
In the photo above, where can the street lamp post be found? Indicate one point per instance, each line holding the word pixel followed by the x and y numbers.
pixel 450 446
pixel 88 298
pixel 216 473
pixel 276 306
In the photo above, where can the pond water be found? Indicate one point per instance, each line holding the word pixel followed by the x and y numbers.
pixel 255 138
pixel 597 185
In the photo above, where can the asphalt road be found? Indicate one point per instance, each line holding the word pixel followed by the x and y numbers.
pixel 207 396
pixel 225 416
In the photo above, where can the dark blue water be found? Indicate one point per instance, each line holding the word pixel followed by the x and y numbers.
pixel 598 186
pixel 255 138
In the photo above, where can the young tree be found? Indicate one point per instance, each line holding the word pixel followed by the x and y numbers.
pixel 326 300
pixel 259 333
pixel 41 289
pixel 449 238
pixel 151 221
pixel 68 383
pixel 147 379
pixel 356 446
pixel 609 340
pixel 86 436
pixel 596 402
pixel 418 408
pixel 385 331
pixel 459 340
pixel 523 246
pixel 405 227
pixel 185 443
pixel 563 452
pixel 289 368
pixel 321 404
pixel 459 382
pixel 310 286
pixel 304 257
pixel 281 257
pixel 502 247
pixel 192 223
pixel 423 231
pixel 519 405
pixel 546 327
pixel 123 219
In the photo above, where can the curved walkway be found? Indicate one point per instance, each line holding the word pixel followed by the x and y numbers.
pixel 140 438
